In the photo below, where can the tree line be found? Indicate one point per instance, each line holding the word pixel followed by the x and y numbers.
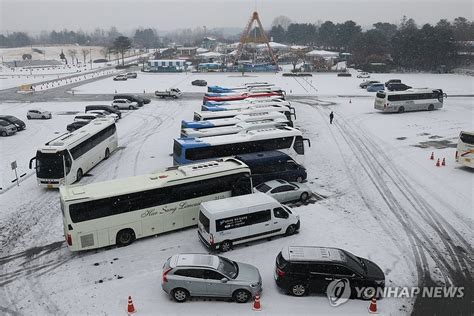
pixel 405 46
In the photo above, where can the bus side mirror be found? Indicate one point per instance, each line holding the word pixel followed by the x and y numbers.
pixel 445 95
pixel 293 112
pixel 309 142
pixel 31 162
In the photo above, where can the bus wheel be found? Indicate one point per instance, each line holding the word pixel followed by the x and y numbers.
pixel 401 109
pixel 107 154
pixel 125 237
pixel 226 245
pixel 431 107
pixel 79 175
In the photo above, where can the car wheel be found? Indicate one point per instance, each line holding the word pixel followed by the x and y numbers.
pixel 180 295
pixel 4 134
pixel 226 245
pixel 298 289
pixel 43 117
pixel 291 230
pixel 304 196
pixel 125 237
pixel 116 107
pixel 107 154
pixel 130 107
pixel 79 175
pixel 401 109
pixel 175 97
pixel 299 179
pixel 28 117
pixel 431 107
pixel 241 296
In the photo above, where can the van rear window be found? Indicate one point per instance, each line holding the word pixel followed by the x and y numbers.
pixel 204 221
pixel 381 95
pixel 281 263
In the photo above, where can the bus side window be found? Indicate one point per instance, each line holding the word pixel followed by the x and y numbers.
pixel 242 186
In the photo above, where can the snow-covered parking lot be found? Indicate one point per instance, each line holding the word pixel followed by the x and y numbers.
pixel 385 201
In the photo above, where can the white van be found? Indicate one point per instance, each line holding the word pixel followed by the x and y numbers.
pixel 227 222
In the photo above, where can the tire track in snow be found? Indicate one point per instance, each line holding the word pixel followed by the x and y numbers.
pixel 452 259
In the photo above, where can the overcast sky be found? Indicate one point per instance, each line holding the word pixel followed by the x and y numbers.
pixel 36 15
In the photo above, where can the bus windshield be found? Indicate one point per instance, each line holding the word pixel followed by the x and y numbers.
pixel 50 165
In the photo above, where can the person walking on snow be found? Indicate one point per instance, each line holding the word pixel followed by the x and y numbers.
pixel 331 117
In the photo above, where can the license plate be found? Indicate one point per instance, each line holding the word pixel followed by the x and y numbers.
pixel 50 186
pixel 467 159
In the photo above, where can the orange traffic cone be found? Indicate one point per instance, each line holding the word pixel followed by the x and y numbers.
pixel 256 304
pixel 444 162
pixel 131 308
pixel 373 306
pixel 437 163
pixel 432 156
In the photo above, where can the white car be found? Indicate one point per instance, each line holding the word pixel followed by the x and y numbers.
pixel 38 114
pixel 87 117
pixel 124 104
pixel 363 75
pixel 104 113
pixel 284 191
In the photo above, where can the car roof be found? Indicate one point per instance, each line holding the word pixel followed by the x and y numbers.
pixel 313 253
pixel 276 183
pixel 194 260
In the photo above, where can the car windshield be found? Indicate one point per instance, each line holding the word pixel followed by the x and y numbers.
pixel 354 262
pixel 263 187
pixel 228 268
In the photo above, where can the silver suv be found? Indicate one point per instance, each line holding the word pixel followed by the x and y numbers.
pixel 7 128
pixel 186 275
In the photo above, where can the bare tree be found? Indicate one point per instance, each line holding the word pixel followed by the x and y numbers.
pixel 85 52
pixel 105 51
pixel 73 54
pixel 282 21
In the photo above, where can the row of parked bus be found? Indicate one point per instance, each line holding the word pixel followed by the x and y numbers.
pixel 229 165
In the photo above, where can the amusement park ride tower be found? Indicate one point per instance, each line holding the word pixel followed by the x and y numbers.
pixel 260 38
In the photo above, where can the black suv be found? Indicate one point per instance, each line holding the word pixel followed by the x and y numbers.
pixel 392 81
pixel 304 269
pixel 134 98
pixel 107 108
pixel 397 86
pixel 19 124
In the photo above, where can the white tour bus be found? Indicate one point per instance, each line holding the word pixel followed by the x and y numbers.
pixel 465 149
pixel 226 130
pixel 74 153
pixel 409 100
pixel 245 218
pixel 215 115
pixel 285 139
pixel 230 107
pixel 259 116
pixel 119 211
pixel 275 99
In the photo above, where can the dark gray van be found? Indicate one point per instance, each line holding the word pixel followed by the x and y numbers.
pixel 272 165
